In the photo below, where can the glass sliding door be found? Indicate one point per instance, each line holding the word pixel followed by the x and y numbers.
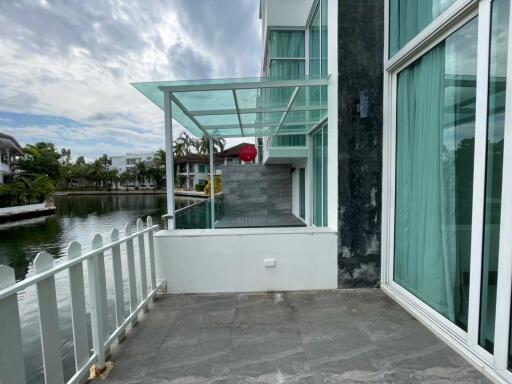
pixel 435 132
pixel 320 177
pixel 494 169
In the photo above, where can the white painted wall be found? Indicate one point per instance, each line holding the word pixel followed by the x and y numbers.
pixel 232 260
pixel 120 162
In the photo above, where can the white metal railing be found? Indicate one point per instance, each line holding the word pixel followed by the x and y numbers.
pixel 12 366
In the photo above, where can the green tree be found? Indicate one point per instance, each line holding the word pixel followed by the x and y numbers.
pixel 183 145
pixel 80 160
pixel 157 175
pixel 40 159
pixel 203 145
pixel 126 177
pixel 141 172
pixel 41 188
pixel 160 158
pixel 65 155
pixel 24 191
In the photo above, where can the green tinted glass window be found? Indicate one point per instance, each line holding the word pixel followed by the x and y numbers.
pixel 410 17
pixel 434 174
pixel 286 43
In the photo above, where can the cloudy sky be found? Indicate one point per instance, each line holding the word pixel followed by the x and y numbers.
pixel 66 66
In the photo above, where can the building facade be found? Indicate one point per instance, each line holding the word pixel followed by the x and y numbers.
pixel 194 169
pixel 9 150
pixel 125 163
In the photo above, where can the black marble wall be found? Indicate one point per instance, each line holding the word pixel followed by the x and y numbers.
pixel 360 57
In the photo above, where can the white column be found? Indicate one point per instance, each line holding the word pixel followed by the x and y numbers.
pixel 212 183
pixel 477 228
pixel 169 159
pixel 332 115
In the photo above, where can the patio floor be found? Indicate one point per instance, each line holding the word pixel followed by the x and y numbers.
pixel 344 336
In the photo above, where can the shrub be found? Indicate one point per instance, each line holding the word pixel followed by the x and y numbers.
pixel 217 181
pixel 23 191
pixel 199 187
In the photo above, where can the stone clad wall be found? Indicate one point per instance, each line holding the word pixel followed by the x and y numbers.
pixel 360 60
pixel 256 189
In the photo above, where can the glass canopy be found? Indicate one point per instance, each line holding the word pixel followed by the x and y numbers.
pixel 243 107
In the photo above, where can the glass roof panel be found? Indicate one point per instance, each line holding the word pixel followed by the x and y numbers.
pixel 261 103
pixel 247 98
pixel 185 121
pixel 207 100
pixel 217 119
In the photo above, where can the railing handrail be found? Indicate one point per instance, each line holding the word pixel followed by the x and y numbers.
pixel 191 205
pixel 142 288
pixel 21 285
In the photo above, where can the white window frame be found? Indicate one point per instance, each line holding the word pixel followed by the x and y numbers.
pixel 269 57
pixel 466 343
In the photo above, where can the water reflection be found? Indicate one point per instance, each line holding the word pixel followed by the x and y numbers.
pixel 77 218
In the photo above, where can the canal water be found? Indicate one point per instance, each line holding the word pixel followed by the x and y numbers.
pixel 77 218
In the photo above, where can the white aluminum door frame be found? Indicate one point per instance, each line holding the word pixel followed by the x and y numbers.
pixel 466 343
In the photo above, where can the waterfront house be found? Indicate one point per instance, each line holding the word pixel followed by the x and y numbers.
pixel 385 129
pixel 194 169
pixel 127 162
pixel 9 150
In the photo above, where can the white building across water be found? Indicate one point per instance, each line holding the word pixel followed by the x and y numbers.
pixel 125 163
pixel 9 150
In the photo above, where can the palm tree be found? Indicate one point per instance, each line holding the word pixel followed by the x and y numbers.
pixel 141 172
pixel 159 158
pixel 125 177
pixel 183 145
pixel 65 155
pixel 203 145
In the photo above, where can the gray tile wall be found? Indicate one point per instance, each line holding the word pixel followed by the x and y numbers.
pixel 256 189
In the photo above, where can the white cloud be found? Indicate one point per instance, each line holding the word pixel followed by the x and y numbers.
pixel 77 59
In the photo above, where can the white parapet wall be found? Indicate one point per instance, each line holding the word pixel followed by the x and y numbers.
pixel 247 259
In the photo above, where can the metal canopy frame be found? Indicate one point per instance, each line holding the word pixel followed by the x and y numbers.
pixel 242 107
pixel 266 84
pixel 172 98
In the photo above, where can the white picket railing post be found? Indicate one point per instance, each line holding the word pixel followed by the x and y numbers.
pixel 78 309
pixel 130 260
pixel 49 321
pixel 142 262
pixel 98 297
pixel 118 281
pixel 12 364
pixel 151 247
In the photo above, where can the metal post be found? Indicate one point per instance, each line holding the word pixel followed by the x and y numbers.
pixel 212 184
pixel 169 160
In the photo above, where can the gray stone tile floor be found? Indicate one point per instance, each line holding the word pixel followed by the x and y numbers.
pixel 343 336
